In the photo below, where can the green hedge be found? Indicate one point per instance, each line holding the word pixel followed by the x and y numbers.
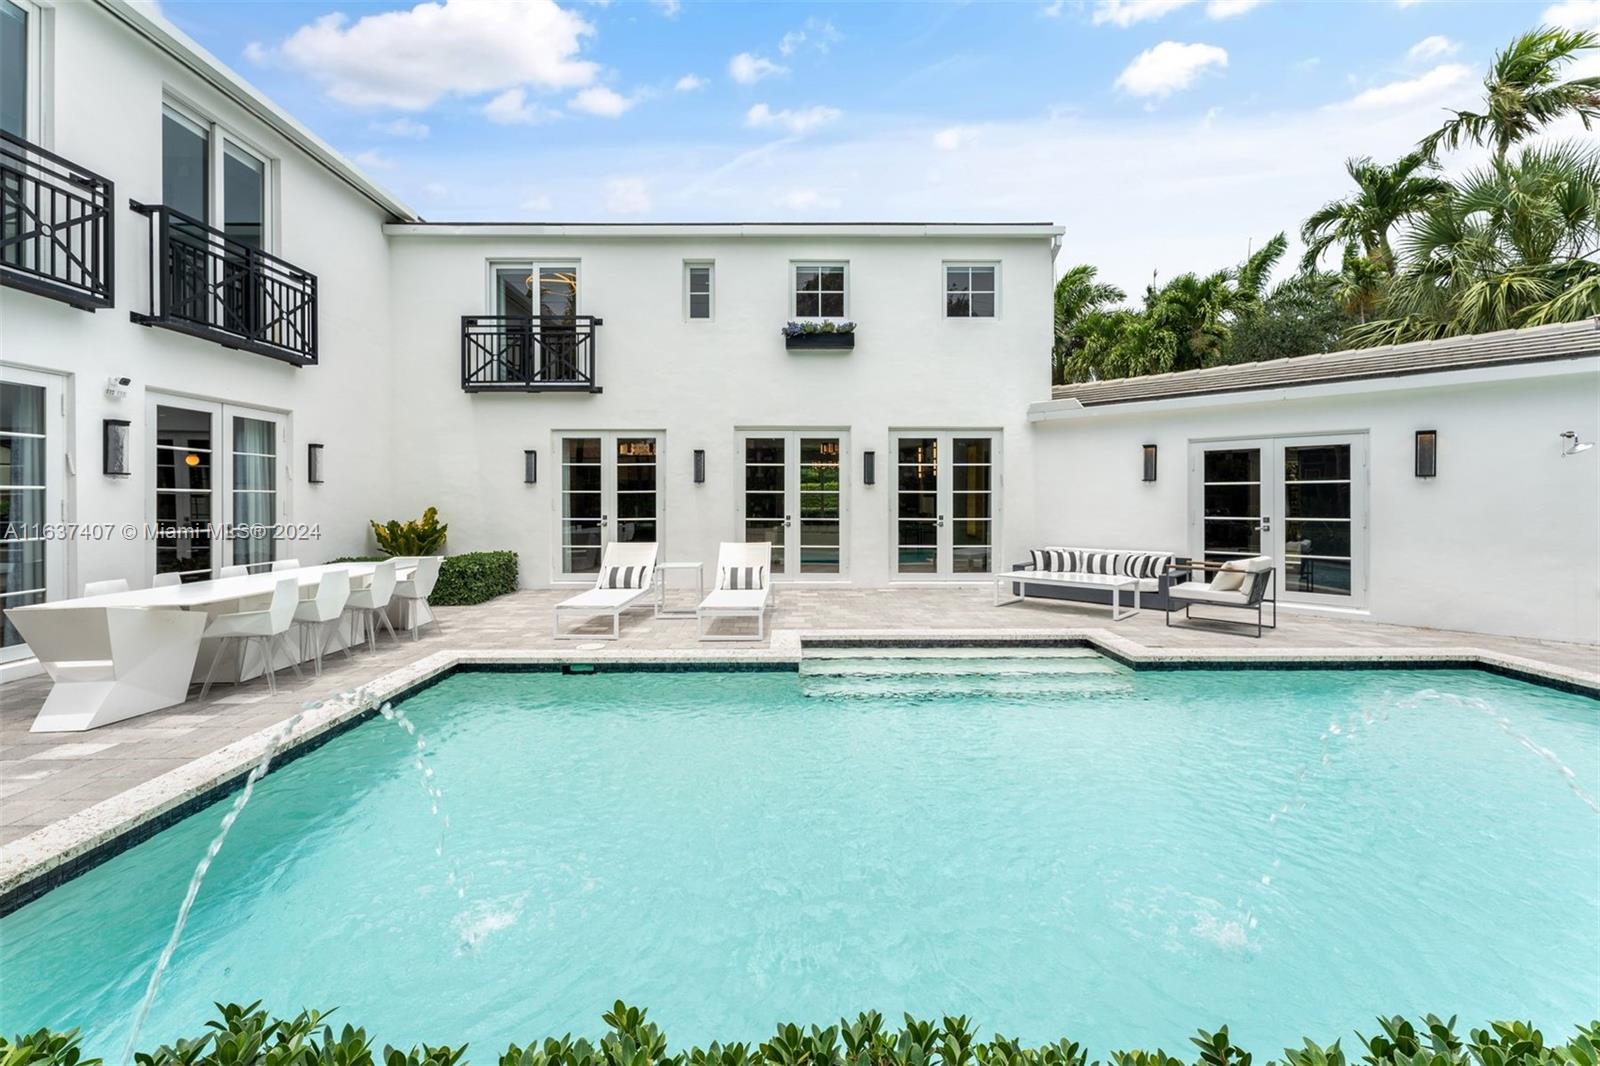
pixel 464 580
pixel 248 1036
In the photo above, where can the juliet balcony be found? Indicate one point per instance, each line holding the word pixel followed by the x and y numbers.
pixel 529 353
pixel 209 285
pixel 56 230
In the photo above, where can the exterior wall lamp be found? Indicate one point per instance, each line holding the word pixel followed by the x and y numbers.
pixel 314 464
pixel 1149 463
pixel 114 447
pixel 699 466
pixel 869 468
pixel 530 467
pixel 1427 453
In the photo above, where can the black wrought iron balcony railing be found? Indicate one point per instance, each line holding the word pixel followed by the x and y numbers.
pixel 209 285
pixel 529 353
pixel 57 237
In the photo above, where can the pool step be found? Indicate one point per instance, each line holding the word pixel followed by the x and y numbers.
pixel 941 666
pixel 944 676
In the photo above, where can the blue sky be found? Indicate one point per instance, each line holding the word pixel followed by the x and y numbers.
pixel 1165 135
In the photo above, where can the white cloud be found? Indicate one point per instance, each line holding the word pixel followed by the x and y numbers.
pixel 513 108
pixel 819 32
pixel 747 68
pixel 951 138
pixel 1052 9
pixel 1227 9
pixel 536 203
pixel 627 196
pixel 668 8
pixel 258 53
pixel 1169 67
pixel 409 128
pixel 372 159
pixel 689 83
pixel 806 200
pixel 409 59
pixel 801 120
pixel 1429 86
pixel 1432 48
pixel 790 42
pixel 1574 15
pixel 1125 13
pixel 599 100
pixel 1408 3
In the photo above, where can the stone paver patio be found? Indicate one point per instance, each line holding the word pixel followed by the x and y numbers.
pixel 46 778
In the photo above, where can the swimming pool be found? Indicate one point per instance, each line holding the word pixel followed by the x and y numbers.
pixel 1050 843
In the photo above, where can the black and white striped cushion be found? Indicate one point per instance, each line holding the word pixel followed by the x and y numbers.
pixel 1145 564
pixel 744 577
pixel 1098 563
pixel 1051 560
pixel 623 577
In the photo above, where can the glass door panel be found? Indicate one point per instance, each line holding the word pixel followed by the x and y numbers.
pixel 917 517
pixel 636 489
pixel 610 491
pixel 183 491
pixel 820 503
pixel 582 504
pixel 1318 541
pixel 558 333
pixel 794 499
pixel 766 513
pixel 254 491
pixel 971 498
pixel 945 508
pixel 1231 504
pixel 24 551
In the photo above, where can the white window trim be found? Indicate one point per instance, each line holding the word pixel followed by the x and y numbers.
pixel 218 137
pixel 796 265
pixel 36 116
pixel 944 289
pixel 711 291
pixel 491 274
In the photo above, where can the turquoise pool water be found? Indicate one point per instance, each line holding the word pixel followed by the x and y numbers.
pixel 1054 846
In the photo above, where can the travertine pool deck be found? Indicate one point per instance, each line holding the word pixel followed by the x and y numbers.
pixel 64 794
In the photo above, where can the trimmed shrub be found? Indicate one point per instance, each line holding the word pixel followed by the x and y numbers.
pixel 474 577
pixel 248 1036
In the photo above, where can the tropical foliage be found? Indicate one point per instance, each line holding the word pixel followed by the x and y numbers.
pixel 249 1036
pixel 1510 243
pixel 414 537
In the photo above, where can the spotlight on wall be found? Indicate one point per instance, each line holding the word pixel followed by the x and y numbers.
pixel 314 464
pixel 530 467
pixel 1427 453
pixel 699 466
pixel 1571 445
pixel 869 468
pixel 1149 462
pixel 114 447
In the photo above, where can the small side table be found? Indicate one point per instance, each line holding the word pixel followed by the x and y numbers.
pixel 662 570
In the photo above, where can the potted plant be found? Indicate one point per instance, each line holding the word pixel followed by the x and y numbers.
pixel 812 336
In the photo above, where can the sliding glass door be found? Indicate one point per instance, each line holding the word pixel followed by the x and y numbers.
pixel 945 513
pixel 794 498
pixel 32 439
pixel 1301 500
pixel 609 492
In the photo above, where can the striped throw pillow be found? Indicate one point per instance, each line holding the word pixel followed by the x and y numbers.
pixel 743 578
pixel 623 577
pixel 1051 560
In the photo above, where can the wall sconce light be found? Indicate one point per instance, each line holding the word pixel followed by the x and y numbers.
pixel 699 466
pixel 1427 453
pixel 114 447
pixel 1149 462
pixel 314 464
pixel 530 467
pixel 1571 445
pixel 869 468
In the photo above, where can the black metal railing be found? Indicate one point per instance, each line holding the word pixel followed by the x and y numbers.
pixel 56 231
pixel 205 283
pixel 528 353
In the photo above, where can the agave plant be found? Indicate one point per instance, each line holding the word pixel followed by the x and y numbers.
pixel 416 537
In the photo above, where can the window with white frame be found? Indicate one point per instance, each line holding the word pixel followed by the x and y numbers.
pixel 819 290
pixel 697 281
pixel 21 58
pixel 210 175
pixel 969 290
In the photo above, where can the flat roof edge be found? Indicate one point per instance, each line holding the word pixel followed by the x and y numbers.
pixel 615 230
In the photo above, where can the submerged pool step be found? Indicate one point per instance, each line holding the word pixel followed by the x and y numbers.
pixel 988 666
pixel 942 676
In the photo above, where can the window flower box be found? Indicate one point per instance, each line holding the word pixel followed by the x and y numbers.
pixel 819 336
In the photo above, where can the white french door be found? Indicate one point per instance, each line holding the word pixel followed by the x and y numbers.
pixel 609 492
pixel 220 475
pixel 33 439
pixel 793 497
pixel 946 513
pixel 1301 500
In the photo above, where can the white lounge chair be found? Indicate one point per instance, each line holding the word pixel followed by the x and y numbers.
pixel 626 573
pixel 1242 584
pixel 743 589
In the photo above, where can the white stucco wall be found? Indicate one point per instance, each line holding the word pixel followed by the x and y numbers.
pixel 324 226
pixel 1506 539
pixel 700 382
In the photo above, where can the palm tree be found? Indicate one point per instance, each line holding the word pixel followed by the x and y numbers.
pixel 1360 285
pixel 1385 196
pixel 1524 93
pixel 1078 295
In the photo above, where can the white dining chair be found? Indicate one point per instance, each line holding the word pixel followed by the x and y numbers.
pixel 285 564
pixel 164 581
pixel 415 590
pixel 106 587
pixel 237 570
pixel 371 602
pixel 267 627
pixel 316 615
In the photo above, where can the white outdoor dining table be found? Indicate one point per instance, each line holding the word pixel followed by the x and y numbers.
pixel 123 654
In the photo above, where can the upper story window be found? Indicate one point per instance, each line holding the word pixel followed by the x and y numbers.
pixel 19 69
pixel 969 290
pixel 207 174
pixel 697 289
pixel 819 290
pixel 547 290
